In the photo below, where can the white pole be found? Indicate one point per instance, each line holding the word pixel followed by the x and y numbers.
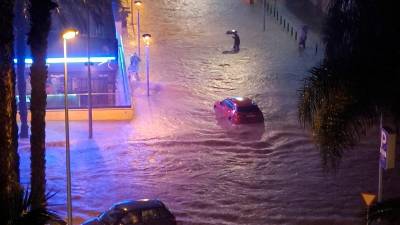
pixel 138 31
pixel 67 150
pixel 147 69
pixel 90 107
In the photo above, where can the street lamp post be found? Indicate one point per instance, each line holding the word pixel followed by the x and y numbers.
pixel 138 3
pixel 90 107
pixel 146 39
pixel 68 34
pixel 133 27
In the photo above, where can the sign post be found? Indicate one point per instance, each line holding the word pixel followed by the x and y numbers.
pixel 386 154
pixel 368 200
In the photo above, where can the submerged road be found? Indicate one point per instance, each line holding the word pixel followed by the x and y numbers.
pixel 206 171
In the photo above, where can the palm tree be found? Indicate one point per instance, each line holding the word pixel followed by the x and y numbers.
pixel 39 11
pixel 358 78
pixel 20 24
pixel 9 159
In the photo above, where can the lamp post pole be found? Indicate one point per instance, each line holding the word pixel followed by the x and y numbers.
pixel 67 147
pixel 68 34
pixel 138 3
pixel 90 107
pixel 147 69
pixel 147 38
pixel 138 30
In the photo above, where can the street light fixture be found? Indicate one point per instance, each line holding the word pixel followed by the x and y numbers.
pixel 147 39
pixel 138 4
pixel 67 34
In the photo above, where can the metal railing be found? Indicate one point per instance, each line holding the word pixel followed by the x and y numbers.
pixel 80 101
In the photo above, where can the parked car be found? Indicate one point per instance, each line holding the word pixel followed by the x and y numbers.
pixel 238 110
pixel 139 212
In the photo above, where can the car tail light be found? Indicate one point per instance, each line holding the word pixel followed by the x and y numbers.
pixel 236 118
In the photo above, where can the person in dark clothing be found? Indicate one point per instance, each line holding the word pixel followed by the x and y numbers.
pixel 303 37
pixel 236 42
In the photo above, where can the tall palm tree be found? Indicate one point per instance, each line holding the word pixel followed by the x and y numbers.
pixel 20 24
pixel 358 78
pixel 9 159
pixel 40 21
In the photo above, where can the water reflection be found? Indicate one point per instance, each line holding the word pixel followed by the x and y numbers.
pixel 241 132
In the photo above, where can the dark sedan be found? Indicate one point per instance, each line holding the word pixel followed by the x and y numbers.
pixel 139 212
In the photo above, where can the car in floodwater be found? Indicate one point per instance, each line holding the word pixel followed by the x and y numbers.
pixel 135 212
pixel 238 110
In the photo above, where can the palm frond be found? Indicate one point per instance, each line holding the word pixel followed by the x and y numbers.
pixel 26 214
pixel 333 110
pixel 358 78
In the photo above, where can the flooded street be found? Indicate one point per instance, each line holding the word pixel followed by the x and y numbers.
pixel 204 170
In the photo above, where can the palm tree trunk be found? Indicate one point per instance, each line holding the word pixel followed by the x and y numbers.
pixel 9 159
pixel 20 25
pixel 39 11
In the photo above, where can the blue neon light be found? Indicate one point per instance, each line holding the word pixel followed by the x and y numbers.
pixel 72 60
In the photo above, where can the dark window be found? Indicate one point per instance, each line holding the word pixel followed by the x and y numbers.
pixel 245 109
pixel 164 213
pixel 150 215
pixel 111 216
pixel 130 218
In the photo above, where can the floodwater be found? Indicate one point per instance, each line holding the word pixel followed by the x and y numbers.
pixel 206 171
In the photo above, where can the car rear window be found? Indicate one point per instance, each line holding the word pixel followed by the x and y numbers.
pixel 150 215
pixel 130 218
pixel 228 103
pixel 110 217
pixel 155 214
pixel 244 109
pixel 164 213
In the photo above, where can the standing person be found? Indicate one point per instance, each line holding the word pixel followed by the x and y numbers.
pixel 134 66
pixel 303 37
pixel 236 42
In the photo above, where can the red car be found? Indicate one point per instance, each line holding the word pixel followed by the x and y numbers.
pixel 239 110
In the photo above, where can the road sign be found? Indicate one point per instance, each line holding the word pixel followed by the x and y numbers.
pixel 368 198
pixel 387 149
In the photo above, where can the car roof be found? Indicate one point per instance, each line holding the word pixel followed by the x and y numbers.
pixel 241 101
pixel 129 205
